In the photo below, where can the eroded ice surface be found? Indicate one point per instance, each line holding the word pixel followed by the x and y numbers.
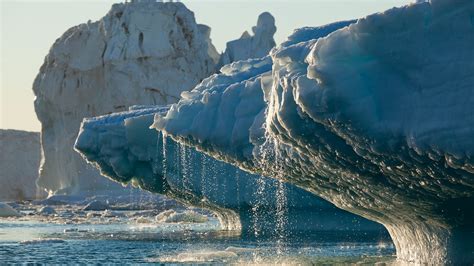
pixel 376 117
pixel 136 54
pixel 125 149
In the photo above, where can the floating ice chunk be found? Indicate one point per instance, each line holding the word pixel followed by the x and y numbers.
pixel 199 256
pixel 240 249
pixel 7 211
pixel 96 205
pixel 47 210
pixel 43 241
pixel 143 220
pixel 188 216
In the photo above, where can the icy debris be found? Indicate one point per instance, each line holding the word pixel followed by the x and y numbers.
pixel 75 230
pixel 240 249
pixel 171 216
pixel 201 256
pixel 143 220
pixel 96 205
pixel 42 241
pixel 46 210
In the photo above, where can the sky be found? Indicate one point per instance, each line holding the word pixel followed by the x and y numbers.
pixel 29 28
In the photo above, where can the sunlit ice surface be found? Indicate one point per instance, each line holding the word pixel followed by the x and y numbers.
pixel 67 232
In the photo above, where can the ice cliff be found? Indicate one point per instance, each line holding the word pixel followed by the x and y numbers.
pixel 139 53
pixel 19 162
pixel 125 149
pixel 376 117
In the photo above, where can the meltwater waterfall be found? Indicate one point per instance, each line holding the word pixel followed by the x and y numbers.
pixel 251 205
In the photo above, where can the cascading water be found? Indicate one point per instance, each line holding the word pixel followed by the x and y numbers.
pixel 281 217
pixel 180 185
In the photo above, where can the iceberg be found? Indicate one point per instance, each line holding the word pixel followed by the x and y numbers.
pixel 144 52
pixel 126 150
pixel 7 211
pixel 19 163
pixel 375 117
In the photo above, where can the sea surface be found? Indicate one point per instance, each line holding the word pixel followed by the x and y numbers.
pixel 71 235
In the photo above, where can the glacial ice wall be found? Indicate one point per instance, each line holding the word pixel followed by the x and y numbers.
pixel 139 53
pixel 126 150
pixel 376 117
pixel 19 163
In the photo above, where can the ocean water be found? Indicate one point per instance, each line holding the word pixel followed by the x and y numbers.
pixel 71 235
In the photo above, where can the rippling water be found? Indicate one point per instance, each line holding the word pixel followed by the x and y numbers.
pixel 124 243
pixel 72 235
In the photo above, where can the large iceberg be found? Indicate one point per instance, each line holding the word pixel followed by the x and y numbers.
pixel 126 150
pixel 143 52
pixel 376 117
pixel 19 163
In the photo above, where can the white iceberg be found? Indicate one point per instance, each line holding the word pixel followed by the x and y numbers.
pixel 19 163
pixel 139 53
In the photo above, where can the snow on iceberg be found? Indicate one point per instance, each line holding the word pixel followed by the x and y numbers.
pixel 376 117
pixel 126 150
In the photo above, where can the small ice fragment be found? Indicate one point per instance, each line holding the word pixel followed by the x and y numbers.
pixel 42 241
pixel 96 205
pixel 47 210
pixel 7 211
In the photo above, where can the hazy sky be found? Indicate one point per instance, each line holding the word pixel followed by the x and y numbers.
pixel 29 28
